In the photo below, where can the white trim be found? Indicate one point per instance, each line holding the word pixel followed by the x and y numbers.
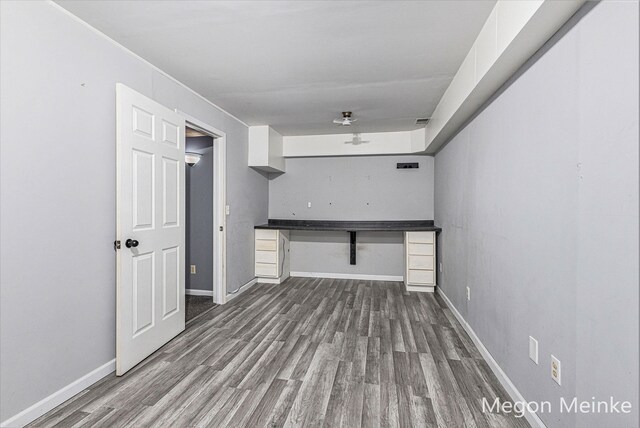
pixel 533 419
pixel 194 292
pixel 378 143
pixel 421 288
pixel 512 33
pixel 272 280
pixel 60 396
pixel 242 289
pixel 138 57
pixel 219 188
pixel 348 276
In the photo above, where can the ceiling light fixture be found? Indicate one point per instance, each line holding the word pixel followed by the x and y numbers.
pixel 346 119
pixel 357 139
pixel 192 158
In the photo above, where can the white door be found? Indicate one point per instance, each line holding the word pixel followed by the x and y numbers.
pixel 150 226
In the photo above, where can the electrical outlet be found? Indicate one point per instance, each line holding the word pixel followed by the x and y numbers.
pixel 227 210
pixel 193 269
pixel 308 204
pixel 556 370
pixel 533 349
pixel 468 293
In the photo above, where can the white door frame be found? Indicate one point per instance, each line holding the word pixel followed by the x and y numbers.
pixel 219 205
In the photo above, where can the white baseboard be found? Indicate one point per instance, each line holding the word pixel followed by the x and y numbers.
pixel 194 292
pixel 242 289
pixel 271 280
pixel 48 403
pixel 531 417
pixel 421 288
pixel 348 276
pixel 280 280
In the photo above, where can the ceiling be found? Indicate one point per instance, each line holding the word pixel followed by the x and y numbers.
pixel 190 132
pixel 196 141
pixel 296 65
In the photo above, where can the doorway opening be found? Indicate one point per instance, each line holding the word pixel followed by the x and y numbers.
pixel 199 248
pixel 205 279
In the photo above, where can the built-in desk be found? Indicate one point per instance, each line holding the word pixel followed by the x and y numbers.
pixel 355 226
pixel 419 236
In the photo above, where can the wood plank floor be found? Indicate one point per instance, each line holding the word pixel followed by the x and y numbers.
pixel 308 352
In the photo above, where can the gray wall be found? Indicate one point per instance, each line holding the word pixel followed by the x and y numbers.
pixel 351 188
pixel 378 253
pixel 538 201
pixel 57 192
pixel 199 224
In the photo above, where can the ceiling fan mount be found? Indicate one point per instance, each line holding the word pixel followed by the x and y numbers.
pixel 346 119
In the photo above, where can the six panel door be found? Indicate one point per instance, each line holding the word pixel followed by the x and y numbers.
pixel 150 226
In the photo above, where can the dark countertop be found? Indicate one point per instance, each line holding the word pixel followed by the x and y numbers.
pixel 351 226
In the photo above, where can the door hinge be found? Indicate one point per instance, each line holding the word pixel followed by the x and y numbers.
pixel 116 245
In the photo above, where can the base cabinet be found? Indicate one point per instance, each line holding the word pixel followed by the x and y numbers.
pixel 271 255
pixel 420 261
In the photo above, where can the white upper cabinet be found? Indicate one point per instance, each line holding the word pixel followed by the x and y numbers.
pixel 265 149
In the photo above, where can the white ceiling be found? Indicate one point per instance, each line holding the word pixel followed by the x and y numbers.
pixel 296 65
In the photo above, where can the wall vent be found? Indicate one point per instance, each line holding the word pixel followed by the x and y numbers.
pixel 423 121
pixel 408 165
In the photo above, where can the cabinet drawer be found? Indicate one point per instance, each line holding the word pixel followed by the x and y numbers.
pixel 421 262
pixel 421 249
pixel 266 257
pixel 266 245
pixel 266 269
pixel 266 234
pixel 421 237
pixel 421 277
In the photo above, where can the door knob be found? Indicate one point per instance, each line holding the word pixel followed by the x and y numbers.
pixel 131 243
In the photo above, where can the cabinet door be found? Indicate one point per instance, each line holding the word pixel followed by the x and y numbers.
pixel 421 237
pixel 267 253
pixel 269 270
pixel 421 277
pixel 420 258
pixel 420 262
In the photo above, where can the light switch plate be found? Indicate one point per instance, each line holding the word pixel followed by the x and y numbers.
pixel 468 293
pixel 193 269
pixel 556 370
pixel 533 349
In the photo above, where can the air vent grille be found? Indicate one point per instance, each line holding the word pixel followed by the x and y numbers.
pixel 423 121
pixel 407 165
